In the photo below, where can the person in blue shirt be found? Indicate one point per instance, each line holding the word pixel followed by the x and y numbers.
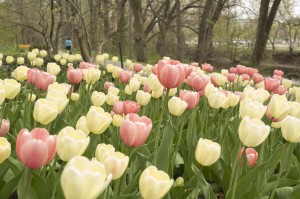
pixel 68 43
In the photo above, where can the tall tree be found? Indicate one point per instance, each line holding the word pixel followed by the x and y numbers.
pixel 266 17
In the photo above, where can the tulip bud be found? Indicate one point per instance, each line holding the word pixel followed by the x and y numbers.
pixel 5 149
pixel 253 132
pixel 177 106
pixel 251 155
pixel 9 59
pixel 179 182
pixel 20 60
pixel 290 129
pixel 207 152
pixel 75 97
pixel 4 127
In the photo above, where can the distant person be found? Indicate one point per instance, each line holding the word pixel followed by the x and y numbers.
pixel 68 43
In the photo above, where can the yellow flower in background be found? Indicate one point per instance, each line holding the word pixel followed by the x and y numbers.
pixel 60 88
pixel 20 60
pixel 53 68
pixel 84 179
pixel 63 62
pixel 9 59
pixel 100 59
pixel 57 57
pixel 31 56
pixel 177 106
pixel 207 152
pixel 113 90
pixel 172 92
pixel 134 84
pixel 154 184
pixel 43 53
pixel 2 92
pixel 5 149
pixel 278 107
pixel 286 83
pixel 217 99
pixel 39 61
pixel 71 143
pixel 114 59
pixel 153 82
pixel 45 111
pixel 128 91
pixel 20 73
pixel 158 93
pixel 93 118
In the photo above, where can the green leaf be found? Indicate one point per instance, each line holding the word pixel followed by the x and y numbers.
pixel 40 187
pixel 15 165
pixel 296 192
pixel 10 186
pixel 163 154
pixel 284 192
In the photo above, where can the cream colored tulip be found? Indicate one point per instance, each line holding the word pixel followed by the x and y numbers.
pixel 9 59
pixel 20 73
pixel 45 111
pixel 63 62
pixel 232 99
pixel 128 91
pixel 114 59
pixel 117 120
pixel 253 132
pixel 2 92
pixel 32 97
pixel 43 53
pixel 251 108
pixel 158 93
pixel 31 56
pixel 103 150
pixel 75 97
pixel 286 83
pixel 77 57
pixel 106 56
pixel 81 125
pixel 154 184
pixel 172 92
pixel 5 149
pixel 93 117
pixel 113 90
pixel 12 88
pixel 134 84
pixel 39 61
pixel 278 107
pixel 84 179
pixel 53 68
pixel 65 56
pixel 217 99
pixel 291 129
pixel 207 152
pixel 91 75
pixel 71 143
pixel 60 88
pixel 142 98
pixel 20 60
pixel 100 59
pixel 36 51
pixel 153 83
pixel 111 99
pixel 98 98
pixel 59 99
pixel 177 106
pixel 57 57
pixel 294 109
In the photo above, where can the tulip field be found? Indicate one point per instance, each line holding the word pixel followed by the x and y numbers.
pixel 77 130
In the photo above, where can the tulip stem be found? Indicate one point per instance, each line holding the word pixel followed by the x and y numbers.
pixel 116 188
pixel 157 135
pixel 26 182
pixel 57 180
pixel 234 174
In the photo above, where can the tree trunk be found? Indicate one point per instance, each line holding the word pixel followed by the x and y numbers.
pixel 139 35
pixel 203 30
pixel 264 26
pixel 81 42
pixel 161 40
pixel 179 35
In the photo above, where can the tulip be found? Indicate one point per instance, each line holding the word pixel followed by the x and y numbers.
pixel 257 78
pixel 130 107
pixel 278 108
pixel 143 98
pixel 177 106
pixel 20 73
pixel 128 91
pixel 100 59
pixel 111 99
pixel 43 53
pixel 190 97
pixel 137 67
pixel 154 184
pixel 207 152
pixel 84 179
pixel 199 82
pixel 251 155
pixel 134 85
pixel 286 83
pixel 75 97
pixel 5 149
pixel 114 162
pixel 86 65
pixel 81 125
pixel 71 58
pixel 4 127
pixel 251 71
pixel 71 143
pixel 278 72
pixel 91 75
pixel 31 97
pixel 53 68
pixel 290 129
pixel 117 120
pixel 157 93
pixel 295 109
pixel 59 88
pixel 98 98
pixel 170 74
pixel 233 99
pixel 9 59
pixel 218 80
pixel 36 148
pixel 12 88
pixel 113 90
pixel 57 57
pixel 252 109
pixel 207 68
pixel 40 79
pixel 271 84
pixel 114 59
pixel 125 76
pixel 63 62
pixel 217 99
pixel 20 60
pixel 231 77
pixel 39 61
pixel 135 129
pixel 45 111
pixel 118 107
pixel 253 132
pixel 280 90
pixel 240 69
pixel 2 92
pixel 59 99
pixel 153 83
pixel 77 57
pixel 94 115
pixel 107 85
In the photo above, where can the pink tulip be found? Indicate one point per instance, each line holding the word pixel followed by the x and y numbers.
pixel 125 76
pixel 107 85
pixel 39 78
pixel 137 67
pixel 240 94
pixel 257 78
pixel 35 148
pixel 130 107
pixel 207 68
pixel 278 72
pixel 201 93
pixel 240 69
pixel 279 78
pixel 251 155
pixel 170 74
pixel 270 117
pixel 154 70
pixel 135 130
pixel 232 70
pixel 231 77
pixel 251 71
pixel 271 84
pixel 74 76
pixel 199 83
pixel 118 108
pixel 245 77
pixel 190 97
pixel 4 127
pixel 280 90
pixel 213 80
pixel 146 88
pixel 189 70
pixel 86 65
pixel 195 64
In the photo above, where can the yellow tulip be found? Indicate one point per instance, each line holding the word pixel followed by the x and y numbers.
pixel 153 82
pixel 291 129
pixel 45 111
pixel 117 120
pixel 286 83
pixel 111 99
pixel 143 98
pixel 217 99
pixel 253 109
pixel 232 99
pixel 57 57
pixel 59 99
pixel 113 90
pixel 81 125
pixel 53 68
pixel 62 88
pixel 134 84
pixel 2 92
pixel 154 184
pixel 207 152
pixel 128 91
pixel 93 117
pixel 176 106
pixel 5 149
pixel 91 75
pixel 278 107
pixel 31 97
pixel 9 59
pixel 20 73
pixel 98 98
pixel 71 143
pixel 75 97
pixel 31 56
pixel 172 91
pixel 158 93
pixel 12 88
pixel 20 60
pixel 84 179
pixel 43 53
